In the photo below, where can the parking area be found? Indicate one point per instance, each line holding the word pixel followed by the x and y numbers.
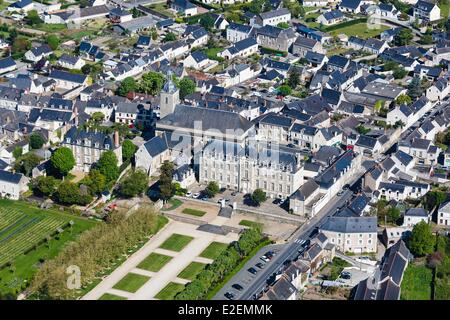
pixel 233 290
pixel 351 276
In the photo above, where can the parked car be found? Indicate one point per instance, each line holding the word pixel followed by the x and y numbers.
pixel 238 287
pixel 196 195
pixel 188 194
pixel 260 265
pixel 265 259
pixel 252 270
pixel 229 295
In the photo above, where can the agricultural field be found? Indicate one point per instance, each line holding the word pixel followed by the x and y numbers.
pixel 29 236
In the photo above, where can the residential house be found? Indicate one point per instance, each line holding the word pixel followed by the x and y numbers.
pixel 237 32
pixel 273 17
pixel 413 216
pixel 350 6
pixel 402 189
pixel 152 154
pixel 70 62
pixel 426 11
pixel 12 185
pixel 443 215
pixel 302 45
pixel 184 7
pixel 439 90
pixel 7 65
pixel 37 53
pixel 67 80
pixel 240 49
pixel 275 38
pixel 331 17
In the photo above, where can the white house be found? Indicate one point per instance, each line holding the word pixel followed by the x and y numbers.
pixel 443 216
pixel 71 62
pixel 199 61
pixel 152 154
pixel 439 90
pixel 12 185
pixel 426 11
pixel 67 80
pixel 331 17
pixel 273 18
pixel 237 32
pixel 37 53
pixel 7 65
pixel 240 49
pixel 413 216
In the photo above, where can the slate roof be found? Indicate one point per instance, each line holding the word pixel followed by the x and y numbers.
pixel 276 120
pixel 156 145
pixel 416 212
pixel 306 190
pixel 351 4
pixel 7 63
pixel 81 137
pixel 240 27
pixel 333 14
pixel 10 177
pixel 67 76
pixel 274 13
pixel 351 224
pixel 403 157
pixel 426 6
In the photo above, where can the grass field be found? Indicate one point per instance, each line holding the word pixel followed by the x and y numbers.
pixel 154 262
pixel 109 296
pixel 174 203
pixel 211 53
pixel 194 212
pixel 176 242
pixel 191 271
pixel 23 227
pixel 213 250
pixel 251 224
pixel 169 291
pixel 131 282
pixel 444 9
pixel 359 30
pixel 416 283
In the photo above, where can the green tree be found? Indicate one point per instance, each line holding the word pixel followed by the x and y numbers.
pixel 98 117
pixel 44 185
pixel 135 184
pixel 69 193
pixel 36 141
pixel 151 83
pixel 212 189
pixel 26 163
pixel 207 22
pixel 154 34
pixel 170 36
pixel 284 90
pixel 404 37
pixel 399 73
pixel 95 181
pixel 53 41
pixel 393 214
pixel 258 196
pixel 403 99
pixel 86 69
pixel 362 130
pixel 128 149
pixel 166 187
pixel 126 86
pixel 415 88
pixel 187 86
pixel 17 152
pixel 63 160
pixel 378 106
pixel 294 8
pixel 294 78
pixel 422 240
pixel 390 65
pixel 283 25
pixel 107 165
pixel 434 199
pixel 33 18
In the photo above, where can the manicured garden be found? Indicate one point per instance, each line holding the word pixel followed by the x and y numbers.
pixel 359 30
pixel 109 296
pixel 213 250
pixel 29 236
pixel 194 212
pixel 174 203
pixel 176 242
pixel 170 291
pixel 154 262
pixel 131 282
pixel 250 224
pixel 191 271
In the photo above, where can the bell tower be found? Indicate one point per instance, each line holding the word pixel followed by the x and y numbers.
pixel 169 97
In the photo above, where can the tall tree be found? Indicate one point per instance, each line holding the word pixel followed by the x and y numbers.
pixel 53 41
pixel 207 22
pixel 187 86
pixel 294 78
pixel 26 163
pixel 36 141
pixel 63 160
pixel 136 183
pixel 403 99
pixel 258 196
pixel 128 149
pixel 126 86
pixel 404 37
pixel 212 189
pixel 95 181
pixel 166 188
pixel 421 241
pixel 415 88
pixel 151 83
pixel 107 165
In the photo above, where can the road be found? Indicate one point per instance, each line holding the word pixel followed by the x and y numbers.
pixel 289 252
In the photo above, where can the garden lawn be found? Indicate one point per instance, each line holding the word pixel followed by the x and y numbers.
pixel 170 291
pixel 25 265
pixel 213 250
pixel 176 242
pixel 131 282
pixel 416 283
pixel 359 30
pixel 191 271
pixel 154 262
pixel 211 53
pixel 251 224
pixel 174 203
pixel 194 212
pixel 109 296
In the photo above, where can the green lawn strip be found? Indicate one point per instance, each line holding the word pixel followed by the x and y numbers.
pixel 250 224
pixel 131 282
pixel 230 275
pixel 194 212
pixel 337 266
pixel 176 242
pixel 154 262
pixel 213 250
pixel 211 53
pixel 169 291
pixel 359 30
pixel 25 265
pixel 416 283
pixel 174 203
pixel 109 296
pixel 191 271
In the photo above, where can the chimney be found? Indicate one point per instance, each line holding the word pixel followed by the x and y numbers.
pixel 116 139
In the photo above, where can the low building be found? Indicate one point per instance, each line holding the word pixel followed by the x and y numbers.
pixel 7 65
pixel 426 11
pixel 273 17
pixel 184 7
pixel 237 32
pixel 12 185
pixel 152 154
pixel 37 53
pixel 70 62
pixel 413 216
pixel 331 17
pixel 443 215
pixel 67 80
pixel 393 235
pixel 240 49
pixel 275 38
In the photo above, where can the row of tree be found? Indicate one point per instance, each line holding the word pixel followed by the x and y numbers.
pixel 215 272
pixel 94 251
